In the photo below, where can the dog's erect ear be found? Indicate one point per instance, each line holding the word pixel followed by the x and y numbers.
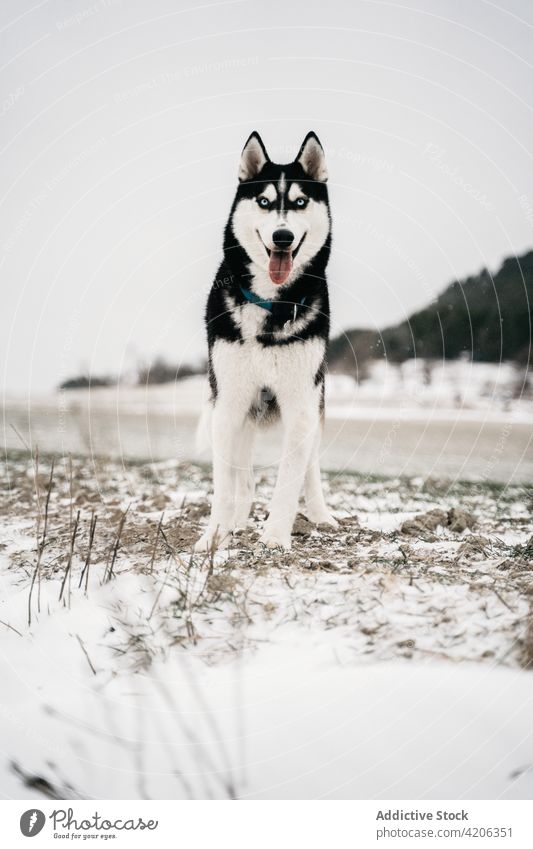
pixel 253 157
pixel 311 158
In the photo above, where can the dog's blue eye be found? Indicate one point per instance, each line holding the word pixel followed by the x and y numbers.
pixel 264 202
pixel 301 202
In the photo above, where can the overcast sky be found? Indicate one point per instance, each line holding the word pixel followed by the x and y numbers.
pixel 122 123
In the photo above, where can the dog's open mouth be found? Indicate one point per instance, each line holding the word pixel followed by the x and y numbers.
pixel 280 262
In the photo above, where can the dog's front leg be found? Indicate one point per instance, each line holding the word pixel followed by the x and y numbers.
pixel 316 508
pixel 226 428
pixel 301 423
pixel 244 475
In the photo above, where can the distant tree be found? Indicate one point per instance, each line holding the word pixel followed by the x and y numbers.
pixel 349 354
pixel 162 372
pixel 86 381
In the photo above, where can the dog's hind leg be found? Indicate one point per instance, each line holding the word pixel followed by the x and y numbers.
pixel 315 505
pixel 244 482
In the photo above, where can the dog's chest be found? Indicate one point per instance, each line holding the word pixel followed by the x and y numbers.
pixel 250 362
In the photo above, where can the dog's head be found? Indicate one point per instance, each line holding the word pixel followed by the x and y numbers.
pixel 281 213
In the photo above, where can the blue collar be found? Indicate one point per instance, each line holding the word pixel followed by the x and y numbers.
pixel 259 302
pixel 255 299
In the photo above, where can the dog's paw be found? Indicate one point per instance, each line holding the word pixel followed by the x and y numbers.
pixel 322 517
pixel 212 539
pixel 274 539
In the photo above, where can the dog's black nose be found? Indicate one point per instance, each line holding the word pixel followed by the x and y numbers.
pixel 283 239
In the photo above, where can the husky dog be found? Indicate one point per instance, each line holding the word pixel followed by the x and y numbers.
pixel 267 329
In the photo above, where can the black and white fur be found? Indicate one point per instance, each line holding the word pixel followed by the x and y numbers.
pixel 269 362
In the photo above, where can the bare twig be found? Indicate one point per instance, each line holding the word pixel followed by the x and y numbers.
pixel 18 433
pixel 41 785
pixel 71 504
pixel 70 556
pixel 40 543
pixel 85 652
pixel 86 565
pixel 36 482
pixel 109 571
pixel 154 549
pixel 158 596
pixel 10 627
pixel 501 598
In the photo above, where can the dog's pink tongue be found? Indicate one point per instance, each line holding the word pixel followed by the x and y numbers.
pixel 280 266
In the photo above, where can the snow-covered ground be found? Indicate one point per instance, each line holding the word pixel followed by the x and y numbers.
pixel 438 384
pixel 388 658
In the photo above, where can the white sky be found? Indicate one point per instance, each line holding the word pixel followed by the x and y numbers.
pixel 122 123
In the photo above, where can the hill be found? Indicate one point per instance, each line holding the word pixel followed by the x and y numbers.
pixel 485 317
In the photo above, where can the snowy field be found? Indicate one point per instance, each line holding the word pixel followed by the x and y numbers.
pixel 389 658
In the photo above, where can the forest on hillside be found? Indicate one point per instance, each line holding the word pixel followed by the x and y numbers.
pixel 486 317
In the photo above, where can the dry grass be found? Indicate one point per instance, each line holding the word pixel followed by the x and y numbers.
pixel 96 520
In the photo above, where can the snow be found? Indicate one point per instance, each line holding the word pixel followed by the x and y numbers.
pixel 446 384
pixel 368 663
pixel 297 723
